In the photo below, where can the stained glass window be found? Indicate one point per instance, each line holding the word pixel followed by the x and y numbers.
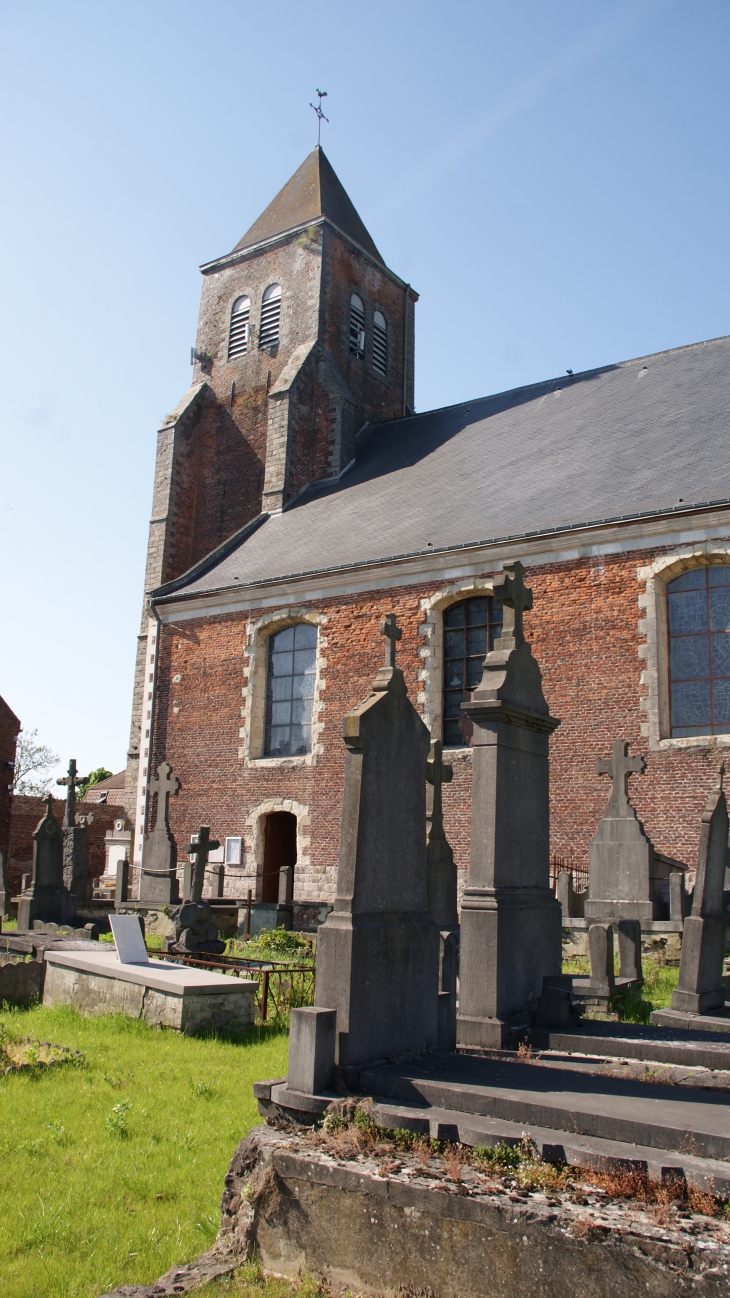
pixel 470 628
pixel 698 614
pixel 290 691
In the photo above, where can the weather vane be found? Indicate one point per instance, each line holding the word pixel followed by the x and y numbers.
pixel 318 110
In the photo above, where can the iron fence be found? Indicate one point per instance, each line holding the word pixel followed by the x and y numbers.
pixel 578 869
pixel 281 987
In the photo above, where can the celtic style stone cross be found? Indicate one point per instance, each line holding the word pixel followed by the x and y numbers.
pixel 516 598
pixel 200 850
pixel 620 766
pixel 71 781
pixel 389 628
pixel 165 787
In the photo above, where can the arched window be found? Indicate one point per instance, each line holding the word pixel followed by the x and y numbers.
pixel 290 691
pixel 239 331
pixel 380 343
pixel 698 616
pixel 470 628
pixel 270 314
pixel 357 327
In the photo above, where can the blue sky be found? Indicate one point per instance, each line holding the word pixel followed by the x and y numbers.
pixel 552 178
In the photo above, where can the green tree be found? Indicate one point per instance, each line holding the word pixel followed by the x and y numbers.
pixel 101 773
pixel 33 761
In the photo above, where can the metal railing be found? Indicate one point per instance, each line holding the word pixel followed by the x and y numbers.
pixel 578 869
pixel 282 986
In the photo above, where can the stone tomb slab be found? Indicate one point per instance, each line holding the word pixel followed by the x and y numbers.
pixel 164 994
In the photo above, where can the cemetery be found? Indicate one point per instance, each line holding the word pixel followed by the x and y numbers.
pixel 454 1113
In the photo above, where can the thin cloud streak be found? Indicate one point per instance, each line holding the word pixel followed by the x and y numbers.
pixel 431 169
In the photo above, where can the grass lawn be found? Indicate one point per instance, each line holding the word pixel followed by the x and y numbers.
pixel 113 1170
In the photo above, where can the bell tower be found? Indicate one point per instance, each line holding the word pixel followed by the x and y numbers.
pixel 304 335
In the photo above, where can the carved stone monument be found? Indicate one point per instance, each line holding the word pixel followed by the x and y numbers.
pixel 378 950
pixel 76 863
pixel 510 919
pixel 442 892
pixel 700 989
pixel 47 898
pixel 3 886
pixel 195 926
pixel 158 884
pixel 621 854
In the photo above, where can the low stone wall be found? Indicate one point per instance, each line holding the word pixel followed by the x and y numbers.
pixel 363 1227
pixel 193 1012
pixel 21 980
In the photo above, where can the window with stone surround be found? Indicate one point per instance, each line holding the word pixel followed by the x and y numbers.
pixel 470 628
pixel 290 683
pixel 698 630
pixel 238 335
pixel 357 327
pixel 270 316
pixel 380 343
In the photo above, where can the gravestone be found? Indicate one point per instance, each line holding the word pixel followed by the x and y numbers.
pixel 76 862
pixel 700 989
pixel 621 853
pixel 378 949
pixel 510 918
pixel 195 926
pixel 3 886
pixel 158 884
pixel 47 898
pixel 121 891
pixel 603 983
pixel 442 892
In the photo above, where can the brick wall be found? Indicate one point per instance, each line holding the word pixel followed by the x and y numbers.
pixel 9 730
pixel 25 815
pixel 585 634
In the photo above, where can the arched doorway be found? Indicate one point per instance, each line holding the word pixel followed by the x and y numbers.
pixel 280 853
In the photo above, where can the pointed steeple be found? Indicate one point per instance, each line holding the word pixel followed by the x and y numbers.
pixel 313 191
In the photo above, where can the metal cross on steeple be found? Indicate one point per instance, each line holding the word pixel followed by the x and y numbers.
pixel 516 597
pixel 71 781
pixel 389 627
pixel 620 766
pixel 318 110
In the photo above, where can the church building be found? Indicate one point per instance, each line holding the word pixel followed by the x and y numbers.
pixel 298 499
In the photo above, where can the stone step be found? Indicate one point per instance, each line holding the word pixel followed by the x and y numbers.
pixel 689 1049
pixel 554 1146
pixel 629 1110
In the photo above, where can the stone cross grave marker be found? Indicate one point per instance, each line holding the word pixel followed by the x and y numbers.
pixel 389 628
pixel 621 853
pixel 76 862
pixel 517 598
pixel 510 920
pixel 200 850
pixel 71 782
pixel 442 892
pixel 378 950
pixel 158 880
pixel 700 988
pixel 47 898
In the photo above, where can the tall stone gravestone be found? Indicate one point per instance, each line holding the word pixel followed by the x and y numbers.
pixel 158 884
pixel 621 854
pixel 378 950
pixel 3 886
pixel 442 892
pixel 195 926
pixel 510 919
pixel 76 861
pixel 700 989
pixel 47 898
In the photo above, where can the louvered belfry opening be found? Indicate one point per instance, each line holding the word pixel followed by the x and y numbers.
pixel 270 315
pixel 357 327
pixel 238 336
pixel 380 343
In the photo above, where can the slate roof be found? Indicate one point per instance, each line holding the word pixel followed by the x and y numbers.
pixel 313 191
pixel 644 436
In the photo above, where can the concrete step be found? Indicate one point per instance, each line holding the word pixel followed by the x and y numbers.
pixel 554 1146
pixel 607 1108
pixel 690 1049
